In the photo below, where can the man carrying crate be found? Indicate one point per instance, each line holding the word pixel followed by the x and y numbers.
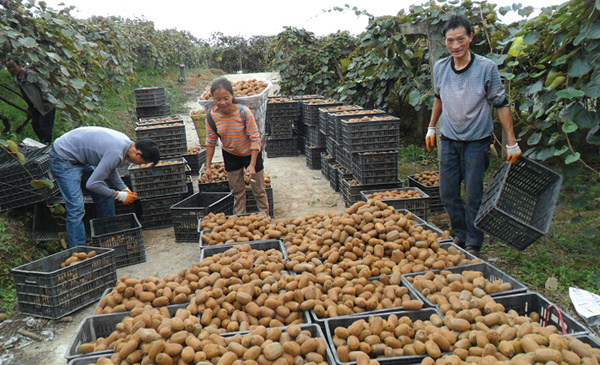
pixel 466 85
pixel 82 159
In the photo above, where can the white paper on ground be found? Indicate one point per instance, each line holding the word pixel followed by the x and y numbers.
pixel 586 304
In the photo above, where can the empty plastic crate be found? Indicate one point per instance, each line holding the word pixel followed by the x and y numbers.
pixel 49 228
pixel 417 205
pixel 260 245
pixel 44 289
pixel 195 160
pixel 252 207
pixel 281 147
pixel 166 178
pixel 519 202
pixel 149 96
pixel 186 213
pixel 123 233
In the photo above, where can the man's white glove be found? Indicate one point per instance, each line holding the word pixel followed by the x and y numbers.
pixel 430 139
pixel 512 153
pixel 121 196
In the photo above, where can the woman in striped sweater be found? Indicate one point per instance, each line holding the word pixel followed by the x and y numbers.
pixel 241 146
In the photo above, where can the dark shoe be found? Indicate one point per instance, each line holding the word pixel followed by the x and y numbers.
pixel 457 241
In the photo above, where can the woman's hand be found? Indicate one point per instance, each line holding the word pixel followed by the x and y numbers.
pixel 208 173
pixel 250 172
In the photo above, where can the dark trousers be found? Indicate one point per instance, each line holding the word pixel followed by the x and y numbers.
pixel 42 125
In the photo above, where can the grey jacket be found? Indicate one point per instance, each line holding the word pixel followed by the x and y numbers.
pixel 35 91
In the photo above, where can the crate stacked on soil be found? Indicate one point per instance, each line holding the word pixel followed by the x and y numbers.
pixel 313 156
pixel 170 138
pixel 156 212
pixel 170 119
pixel 350 189
pixel 186 213
pixel 16 189
pixel 281 147
pixel 376 167
pixel 428 182
pixel 122 233
pixel 60 284
pixel 314 137
pixel 151 102
pixel 325 165
pixel 195 158
pixel 519 202
pixel 282 109
pixel 165 178
pixel 410 198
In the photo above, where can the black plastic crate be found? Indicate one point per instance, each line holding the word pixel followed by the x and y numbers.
pixel 519 202
pixel 260 245
pixel 166 178
pixel 527 303
pixel 281 128
pixel 342 175
pixel 351 193
pixel 281 147
pixel 156 212
pixel 310 109
pixel 375 167
pixel 153 111
pixel 315 137
pixel 489 272
pixel 332 323
pixel 149 96
pixel 370 135
pixel 252 207
pixel 15 180
pixel 282 110
pixel 330 146
pixel 325 165
pixel 190 188
pixel 44 289
pixel 123 233
pixel 337 118
pixel 435 202
pixel 313 157
pixel 170 138
pixel 333 175
pixel 344 157
pixel 195 160
pixel 93 327
pixel 49 228
pixel 418 206
pixel 186 213
pixel 327 120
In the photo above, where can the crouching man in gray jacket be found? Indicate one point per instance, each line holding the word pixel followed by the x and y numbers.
pixel 83 159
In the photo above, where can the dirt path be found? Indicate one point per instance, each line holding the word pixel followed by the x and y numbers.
pixel 297 192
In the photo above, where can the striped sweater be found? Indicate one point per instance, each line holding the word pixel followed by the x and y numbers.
pixel 237 137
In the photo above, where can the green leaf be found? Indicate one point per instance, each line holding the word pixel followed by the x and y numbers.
pixel 414 97
pixel 58 209
pixel 572 158
pixel 569 127
pixel 534 138
pixel 40 184
pixel 562 150
pixel 594 31
pixel 579 203
pixel 579 68
pixel 553 138
pixel 77 83
pixel 570 93
pixel 28 42
pixel 590 233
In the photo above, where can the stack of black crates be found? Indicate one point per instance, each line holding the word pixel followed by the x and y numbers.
pixel 368 143
pixel 282 114
pixel 151 102
pixel 300 128
pixel 315 135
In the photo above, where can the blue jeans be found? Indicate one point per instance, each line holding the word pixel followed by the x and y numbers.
pixel 463 162
pixel 71 179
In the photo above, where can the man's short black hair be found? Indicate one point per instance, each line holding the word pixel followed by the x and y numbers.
pixel 149 150
pixel 457 21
